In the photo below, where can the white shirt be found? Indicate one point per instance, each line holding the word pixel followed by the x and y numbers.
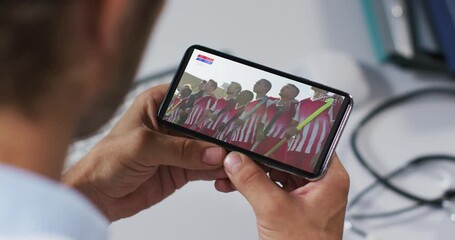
pixel 33 207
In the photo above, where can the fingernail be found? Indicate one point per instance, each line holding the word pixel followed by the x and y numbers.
pixel 233 162
pixel 212 156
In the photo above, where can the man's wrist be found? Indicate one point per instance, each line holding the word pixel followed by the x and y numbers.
pixel 77 178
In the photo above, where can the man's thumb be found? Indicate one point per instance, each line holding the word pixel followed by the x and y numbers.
pixel 251 181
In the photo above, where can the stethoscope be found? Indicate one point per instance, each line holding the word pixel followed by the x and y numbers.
pixel 445 201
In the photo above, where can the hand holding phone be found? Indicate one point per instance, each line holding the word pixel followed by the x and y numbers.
pixel 283 121
pixel 299 209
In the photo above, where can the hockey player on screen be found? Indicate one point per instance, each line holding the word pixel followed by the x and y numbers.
pixel 275 122
pixel 244 134
pixel 201 104
pixel 228 122
pixel 212 117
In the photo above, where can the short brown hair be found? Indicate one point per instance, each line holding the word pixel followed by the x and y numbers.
pixel 213 83
pixel 29 36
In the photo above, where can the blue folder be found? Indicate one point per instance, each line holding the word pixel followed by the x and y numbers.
pixel 442 14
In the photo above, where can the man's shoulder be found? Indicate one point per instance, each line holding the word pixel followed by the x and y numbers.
pixel 208 97
pixel 34 204
pixel 305 100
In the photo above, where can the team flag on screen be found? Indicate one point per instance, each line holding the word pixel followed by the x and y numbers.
pixel 204 59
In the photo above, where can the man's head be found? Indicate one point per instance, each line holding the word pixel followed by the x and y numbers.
pixel 201 85
pixel 318 93
pixel 234 88
pixel 210 86
pixel 185 92
pixel 262 86
pixel 289 92
pixel 79 54
pixel 244 97
pixel 185 86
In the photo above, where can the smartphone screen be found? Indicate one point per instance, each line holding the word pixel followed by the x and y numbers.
pixel 283 121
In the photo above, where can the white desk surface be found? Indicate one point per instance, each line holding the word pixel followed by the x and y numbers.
pixel 279 34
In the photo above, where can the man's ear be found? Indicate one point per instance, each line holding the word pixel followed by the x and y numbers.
pixel 110 14
pixel 108 18
pixel 102 20
pixel 98 25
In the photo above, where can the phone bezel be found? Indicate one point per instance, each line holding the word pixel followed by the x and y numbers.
pixel 330 143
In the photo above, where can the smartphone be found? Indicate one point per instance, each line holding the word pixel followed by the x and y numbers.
pixel 283 121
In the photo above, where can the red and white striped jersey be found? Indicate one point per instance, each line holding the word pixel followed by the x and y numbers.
pixel 312 137
pixel 200 105
pixel 279 127
pixel 251 117
pixel 229 120
pixel 220 105
pixel 175 108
